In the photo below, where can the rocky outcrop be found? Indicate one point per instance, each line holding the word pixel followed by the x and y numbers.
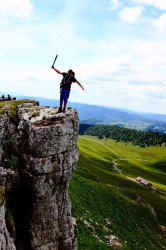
pixel 45 144
pixel 6 241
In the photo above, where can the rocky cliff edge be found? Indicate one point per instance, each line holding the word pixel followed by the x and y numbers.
pixel 38 154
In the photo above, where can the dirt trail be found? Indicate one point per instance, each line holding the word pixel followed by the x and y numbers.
pixel 114 162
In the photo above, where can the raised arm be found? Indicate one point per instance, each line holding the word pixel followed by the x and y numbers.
pixel 80 85
pixel 56 70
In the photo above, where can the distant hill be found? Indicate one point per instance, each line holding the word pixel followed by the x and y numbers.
pixel 105 115
pixel 93 114
pixel 156 117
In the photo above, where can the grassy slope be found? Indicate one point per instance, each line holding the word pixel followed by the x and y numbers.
pixel 98 193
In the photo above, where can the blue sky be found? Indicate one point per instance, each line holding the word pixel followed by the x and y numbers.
pixel 116 48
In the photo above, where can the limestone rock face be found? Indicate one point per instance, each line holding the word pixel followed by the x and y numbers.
pixel 6 175
pixel 45 143
pixel 6 242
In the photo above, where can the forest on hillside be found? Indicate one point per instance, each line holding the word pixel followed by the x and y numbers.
pixel 141 138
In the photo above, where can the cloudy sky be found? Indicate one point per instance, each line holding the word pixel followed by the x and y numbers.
pixel 116 47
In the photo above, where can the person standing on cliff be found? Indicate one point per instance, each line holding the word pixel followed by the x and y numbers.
pixel 65 87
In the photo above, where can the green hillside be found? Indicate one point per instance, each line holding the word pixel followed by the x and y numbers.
pixel 107 200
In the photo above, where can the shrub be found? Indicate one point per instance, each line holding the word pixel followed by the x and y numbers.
pixel 13 161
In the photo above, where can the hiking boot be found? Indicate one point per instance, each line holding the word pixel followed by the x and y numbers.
pixel 64 110
pixel 59 110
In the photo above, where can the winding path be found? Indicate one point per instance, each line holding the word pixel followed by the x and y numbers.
pixel 114 162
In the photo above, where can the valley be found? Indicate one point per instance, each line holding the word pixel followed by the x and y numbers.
pixel 104 187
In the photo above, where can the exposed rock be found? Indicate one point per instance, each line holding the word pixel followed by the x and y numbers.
pixel 113 241
pixel 6 242
pixel 163 230
pixel 45 143
pixel 6 177
pixel 107 221
pixel 74 221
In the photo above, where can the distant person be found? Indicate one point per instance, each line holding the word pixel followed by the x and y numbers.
pixel 3 98
pixel 9 97
pixel 65 87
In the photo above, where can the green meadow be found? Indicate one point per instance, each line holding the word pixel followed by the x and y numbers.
pixel 107 200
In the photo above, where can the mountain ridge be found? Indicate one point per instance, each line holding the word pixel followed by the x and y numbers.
pixel 93 114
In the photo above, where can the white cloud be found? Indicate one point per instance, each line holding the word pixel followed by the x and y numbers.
pixel 114 4
pixel 132 80
pixel 16 8
pixel 160 24
pixel 137 78
pixel 131 14
pixel 160 4
pixel 115 67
